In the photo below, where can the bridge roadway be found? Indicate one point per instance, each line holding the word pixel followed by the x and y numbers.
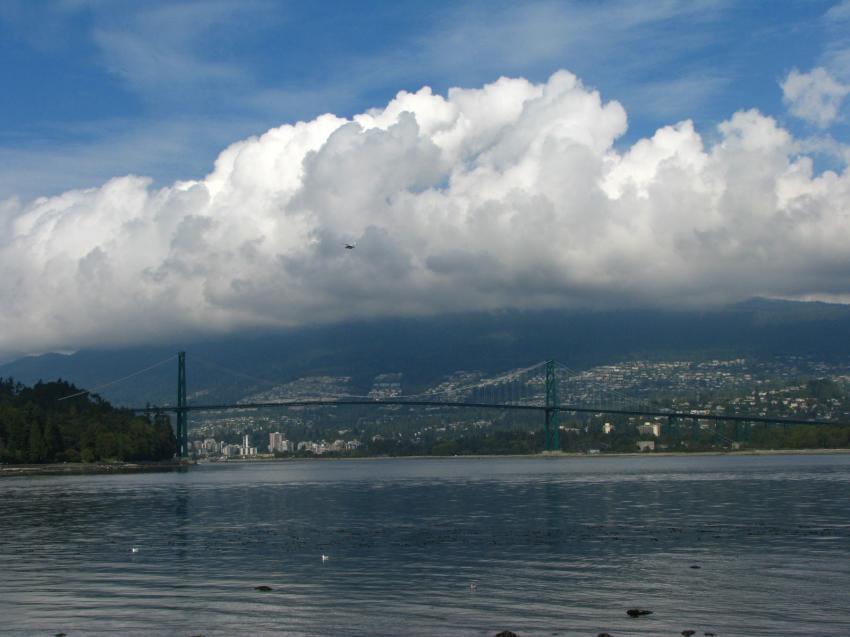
pixel 679 415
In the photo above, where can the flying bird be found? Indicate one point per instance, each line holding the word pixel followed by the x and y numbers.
pixel 350 246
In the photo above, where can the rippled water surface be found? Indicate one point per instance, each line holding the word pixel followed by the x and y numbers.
pixel 559 546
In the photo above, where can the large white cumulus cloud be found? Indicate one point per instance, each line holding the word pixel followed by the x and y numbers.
pixel 511 195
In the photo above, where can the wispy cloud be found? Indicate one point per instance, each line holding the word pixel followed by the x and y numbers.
pixel 838 13
pixel 836 55
pixel 184 62
pixel 165 150
pixel 166 52
pixel 622 43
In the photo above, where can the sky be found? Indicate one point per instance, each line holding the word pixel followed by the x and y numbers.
pixel 214 156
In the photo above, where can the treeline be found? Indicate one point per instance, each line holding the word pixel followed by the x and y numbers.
pixel 801 437
pixel 36 426
pixel 686 439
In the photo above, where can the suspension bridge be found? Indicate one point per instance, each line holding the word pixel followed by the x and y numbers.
pixel 549 388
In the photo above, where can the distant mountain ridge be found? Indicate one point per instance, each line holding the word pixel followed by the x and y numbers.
pixel 425 350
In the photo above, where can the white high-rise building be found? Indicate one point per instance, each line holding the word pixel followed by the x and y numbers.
pixel 275 440
pixel 278 443
pixel 246 445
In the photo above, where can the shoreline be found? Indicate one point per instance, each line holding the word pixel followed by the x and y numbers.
pixel 86 469
pixel 555 454
pixel 80 469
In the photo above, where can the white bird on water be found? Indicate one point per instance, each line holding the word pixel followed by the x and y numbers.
pixel 325 558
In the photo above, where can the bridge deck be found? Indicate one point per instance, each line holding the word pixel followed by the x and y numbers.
pixel 678 415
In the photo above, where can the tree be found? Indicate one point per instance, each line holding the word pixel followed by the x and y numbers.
pixel 37 424
pixel 37 446
pixel 823 389
pixel 53 439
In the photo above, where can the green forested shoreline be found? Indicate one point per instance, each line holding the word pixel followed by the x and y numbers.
pixel 37 427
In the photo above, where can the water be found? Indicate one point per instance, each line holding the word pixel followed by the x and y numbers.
pixel 554 547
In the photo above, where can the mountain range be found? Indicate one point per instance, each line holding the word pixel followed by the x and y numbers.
pixel 424 350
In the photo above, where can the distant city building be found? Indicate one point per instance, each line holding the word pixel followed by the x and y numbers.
pixel 646 445
pixel 323 446
pixel 650 429
pixel 607 428
pixel 278 443
pixel 229 451
pixel 274 441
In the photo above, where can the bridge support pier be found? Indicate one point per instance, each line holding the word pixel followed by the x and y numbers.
pixel 182 432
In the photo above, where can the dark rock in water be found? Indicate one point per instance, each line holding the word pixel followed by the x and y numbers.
pixel 688 633
pixel 507 633
pixel 603 635
pixel 263 588
pixel 637 612
pixel 695 566
pixel 59 635
pixel 710 634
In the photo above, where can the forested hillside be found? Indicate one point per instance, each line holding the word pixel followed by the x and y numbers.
pixel 36 426
pixel 426 349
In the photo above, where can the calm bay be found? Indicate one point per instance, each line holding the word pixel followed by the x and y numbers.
pixel 735 545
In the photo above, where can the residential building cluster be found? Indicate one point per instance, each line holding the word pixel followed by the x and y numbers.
pixel 386 386
pixel 774 387
pixel 211 448
pixel 322 447
pixel 307 388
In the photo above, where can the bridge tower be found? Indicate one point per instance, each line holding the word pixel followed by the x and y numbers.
pixel 553 442
pixel 182 416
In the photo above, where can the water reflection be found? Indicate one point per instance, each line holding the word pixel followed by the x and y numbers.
pixel 181 526
pixel 554 547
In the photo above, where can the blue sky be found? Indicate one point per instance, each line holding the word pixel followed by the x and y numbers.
pixel 93 89
pixel 147 160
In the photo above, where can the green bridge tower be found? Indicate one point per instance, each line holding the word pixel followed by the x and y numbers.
pixel 182 415
pixel 553 442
